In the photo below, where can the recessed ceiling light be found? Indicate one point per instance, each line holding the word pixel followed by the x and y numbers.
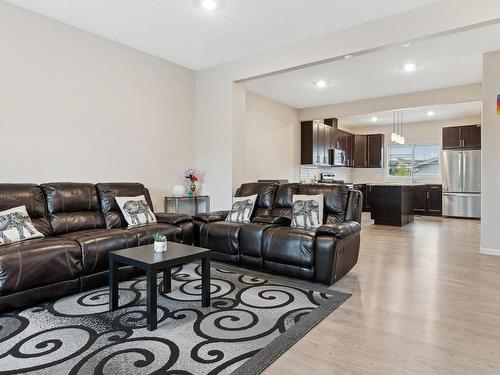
pixel 374 119
pixel 406 44
pixel 430 113
pixel 320 83
pixel 347 57
pixel 209 4
pixel 410 67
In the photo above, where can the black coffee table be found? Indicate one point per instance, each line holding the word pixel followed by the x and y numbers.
pixel 144 257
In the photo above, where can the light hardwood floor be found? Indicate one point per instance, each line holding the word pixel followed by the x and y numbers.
pixel 424 302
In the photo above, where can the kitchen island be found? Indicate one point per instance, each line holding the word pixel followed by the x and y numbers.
pixel 392 204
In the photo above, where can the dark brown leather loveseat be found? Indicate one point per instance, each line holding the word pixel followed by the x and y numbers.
pixel 82 223
pixel 271 244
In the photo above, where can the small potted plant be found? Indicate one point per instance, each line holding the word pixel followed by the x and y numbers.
pixel 160 244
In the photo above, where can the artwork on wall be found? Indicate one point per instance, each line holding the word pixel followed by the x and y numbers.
pixel 498 104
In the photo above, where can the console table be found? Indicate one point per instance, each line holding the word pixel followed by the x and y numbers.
pixel 190 205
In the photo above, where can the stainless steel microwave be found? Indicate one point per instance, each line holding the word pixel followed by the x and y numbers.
pixel 337 157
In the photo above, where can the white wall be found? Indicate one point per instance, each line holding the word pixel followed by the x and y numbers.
pixel 272 140
pixel 216 104
pixel 428 132
pixel 446 95
pixel 77 107
pixel 490 176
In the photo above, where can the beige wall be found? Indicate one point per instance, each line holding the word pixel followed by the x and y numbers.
pixel 490 176
pixel 272 140
pixel 77 107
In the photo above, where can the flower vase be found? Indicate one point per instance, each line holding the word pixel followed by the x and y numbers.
pixel 192 188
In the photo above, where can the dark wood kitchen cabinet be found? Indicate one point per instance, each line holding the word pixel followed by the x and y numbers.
pixel 375 150
pixel 344 141
pixel 392 205
pixel 349 147
pixel 427 200
pixel 359 150
pixel 462 137
pixel 315 142
pixel 368 151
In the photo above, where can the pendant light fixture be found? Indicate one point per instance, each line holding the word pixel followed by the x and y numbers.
pixel 397 127
pixel 394 135
pixel 401 133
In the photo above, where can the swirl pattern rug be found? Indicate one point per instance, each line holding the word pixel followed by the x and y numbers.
pixel 252 320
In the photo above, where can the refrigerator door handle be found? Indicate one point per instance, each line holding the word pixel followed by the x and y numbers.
pixel 461 169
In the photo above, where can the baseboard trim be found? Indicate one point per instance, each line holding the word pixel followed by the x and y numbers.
pixel 485 251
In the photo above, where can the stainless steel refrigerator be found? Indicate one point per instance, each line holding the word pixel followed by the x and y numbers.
pixel 462 183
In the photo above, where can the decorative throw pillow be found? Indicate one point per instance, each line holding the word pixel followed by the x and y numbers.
pixel 16 225
pixel 242 209
pixel 307 211
pixel 136 210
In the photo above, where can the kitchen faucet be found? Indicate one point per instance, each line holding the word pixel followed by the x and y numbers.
pixel 412 174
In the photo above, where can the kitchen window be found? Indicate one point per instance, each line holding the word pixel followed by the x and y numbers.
pixel 422 160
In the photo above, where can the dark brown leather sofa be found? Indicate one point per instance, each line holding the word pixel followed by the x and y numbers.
pixel 269 242
pixel 82 223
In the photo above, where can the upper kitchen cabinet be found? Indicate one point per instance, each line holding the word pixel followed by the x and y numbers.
pixel 315 142
pixel 375 150
pixel 368 151
pixel 462 137
pixel 360 155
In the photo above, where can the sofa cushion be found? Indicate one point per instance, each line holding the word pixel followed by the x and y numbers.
pixel 107 194
pixel 30 196
pixel 144 233
pixel 307 211
pixel 72 207
pixel 136 210
pixel 336 197
pixel 96 243
pixel 16 225
pixel 38 262
pixel 293 246
pixel 221 236
pixel 242 209
pixel 251 239
pixel 340 230
pixel 265 195
pixel 284 200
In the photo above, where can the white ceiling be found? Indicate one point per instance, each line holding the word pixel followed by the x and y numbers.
pixel 441 62
pixel 181 32
pixel 416 114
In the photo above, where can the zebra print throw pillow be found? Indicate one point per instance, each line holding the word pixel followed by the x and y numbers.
pixel 136 210
pixel 307 211
pixel 16 225
pixel 242 209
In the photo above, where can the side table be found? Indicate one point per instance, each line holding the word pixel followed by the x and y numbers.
pixel 190 205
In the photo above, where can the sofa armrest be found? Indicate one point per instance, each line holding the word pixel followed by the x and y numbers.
pixel 271 220
pixel 340 230
pixel 210 217
pixel 170 218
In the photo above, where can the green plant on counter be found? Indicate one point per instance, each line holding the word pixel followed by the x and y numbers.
pixel 401 171
pixel 159 237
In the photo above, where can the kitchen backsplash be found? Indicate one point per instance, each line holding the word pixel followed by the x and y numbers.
pixel 313 172
pixel 360 175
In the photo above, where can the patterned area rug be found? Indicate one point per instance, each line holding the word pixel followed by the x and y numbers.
pixel 251 322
